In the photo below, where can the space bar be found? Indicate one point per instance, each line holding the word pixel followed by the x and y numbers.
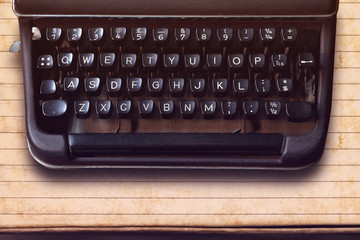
pixel 95 144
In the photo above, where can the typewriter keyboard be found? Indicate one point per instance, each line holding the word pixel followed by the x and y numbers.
pixel 203 75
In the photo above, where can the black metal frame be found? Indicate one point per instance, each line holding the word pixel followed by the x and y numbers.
pixel 292 152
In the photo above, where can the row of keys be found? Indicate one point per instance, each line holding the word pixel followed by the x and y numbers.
pixel 278 62
pixel 160 35
pixel 295 111
pixel 176 86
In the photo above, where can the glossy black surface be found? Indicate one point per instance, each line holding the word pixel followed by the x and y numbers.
pixel 213 49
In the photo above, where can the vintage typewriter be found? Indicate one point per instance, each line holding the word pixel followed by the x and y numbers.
pixel 177 84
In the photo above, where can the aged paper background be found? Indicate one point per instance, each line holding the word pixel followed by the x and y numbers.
pixel 32 197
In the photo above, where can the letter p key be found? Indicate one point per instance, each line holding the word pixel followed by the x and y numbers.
pixel 257 61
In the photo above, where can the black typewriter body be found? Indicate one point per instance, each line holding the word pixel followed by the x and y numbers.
pixel 166 84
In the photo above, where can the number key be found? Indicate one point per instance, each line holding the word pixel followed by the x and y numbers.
pixel 182 34
pixel 224 34
pixel 160 34
pixel 138 34
pixel 246 34
pixel 203 34
pixel 74 34
pixel 53 34
pixel 118 33
pixel 96 34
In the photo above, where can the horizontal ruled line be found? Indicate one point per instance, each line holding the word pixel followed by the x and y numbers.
pixel 184 214
pixel 179 198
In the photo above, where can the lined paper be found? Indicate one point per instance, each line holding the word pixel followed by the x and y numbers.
pixel 328 194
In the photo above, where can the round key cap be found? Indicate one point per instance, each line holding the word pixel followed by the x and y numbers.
pixel 96 34
pixel 160 35
pixel 251 108
pixel 208 109
pixel 45 62
pixel 187 108
pixel 298 111
pixel 138 34
pixel 203 34
pixel 123 107
pixel 146 108
pixel 182 34
pixel 82 108
pixel 103 108
pixel 273 109
pixel 246 35
pixel 53 34
pixel 64 59
pixel 224 34
pixel 54 108
pixel 306 60
pixel 228 108
pixel 219 86
pixel 262 86
pixel 284 86
pixel 118 33
pixel 267 35
pixel 257 61
pixel 74 34
pixel 278 62
pixel 166 108
pixel 47 87
pixel 288 35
